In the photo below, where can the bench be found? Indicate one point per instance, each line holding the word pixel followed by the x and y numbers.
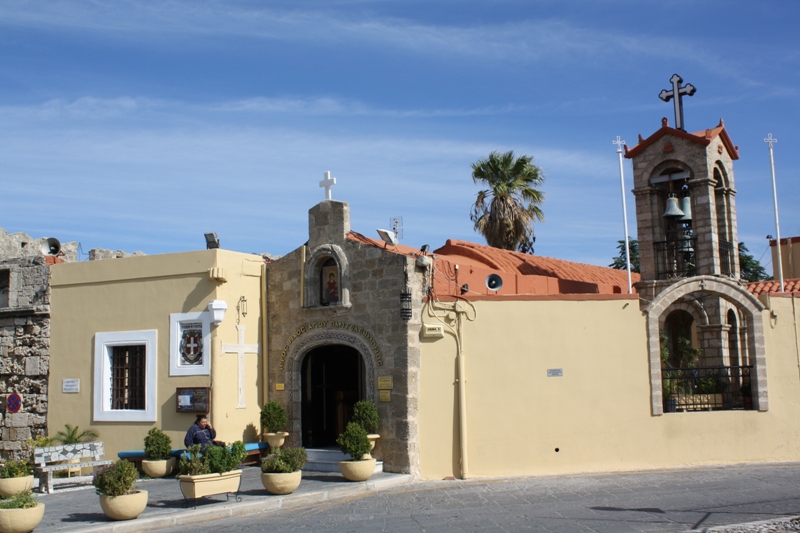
pixel 255 452
pixel 53 458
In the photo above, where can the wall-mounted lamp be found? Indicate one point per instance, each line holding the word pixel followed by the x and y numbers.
pixel 405 304
pixel 217 308
pixel 212 241
pixel 241 306
pixel 464 288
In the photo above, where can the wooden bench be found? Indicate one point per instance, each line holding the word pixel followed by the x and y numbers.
pixel 54 458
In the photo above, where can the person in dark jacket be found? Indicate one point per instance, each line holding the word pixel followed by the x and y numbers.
pixel 200 433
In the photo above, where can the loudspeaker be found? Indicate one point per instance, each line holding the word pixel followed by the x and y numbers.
pixel 51 246
pixel 494 282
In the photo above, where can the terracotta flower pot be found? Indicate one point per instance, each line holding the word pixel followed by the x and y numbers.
pixel 21 520
pixel 357 470
pixel 13 485
pixel 161 468
pixel 281 483
pixel 125 507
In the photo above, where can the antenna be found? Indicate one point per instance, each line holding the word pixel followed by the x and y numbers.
pixel 397 226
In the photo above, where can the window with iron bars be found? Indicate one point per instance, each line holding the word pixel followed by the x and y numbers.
pixel 128 377
pixel 723 388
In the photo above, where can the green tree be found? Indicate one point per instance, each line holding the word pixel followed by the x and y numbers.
pixel 749 267
pixel 505 211
pixel 73 435
pixel 619 260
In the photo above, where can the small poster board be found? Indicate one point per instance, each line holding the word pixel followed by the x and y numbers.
pixel 70 386
pixel 192 399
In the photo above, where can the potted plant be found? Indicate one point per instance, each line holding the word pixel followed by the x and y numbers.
pixel 365 414
pixel 273 420
pixel 119 498
pixel 281 470
pixel 15 476
pixel 20 513
pixel 354 442
pixel 670 403
pixel 157 461
pixel 214 471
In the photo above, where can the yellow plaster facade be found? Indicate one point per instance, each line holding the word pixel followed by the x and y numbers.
pixel 140 293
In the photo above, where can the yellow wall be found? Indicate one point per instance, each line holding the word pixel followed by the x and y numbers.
pixel 598 414
pixel 139 293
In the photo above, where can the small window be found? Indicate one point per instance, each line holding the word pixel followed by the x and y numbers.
pixel 329 283
pixel 128 377
pixel 5 286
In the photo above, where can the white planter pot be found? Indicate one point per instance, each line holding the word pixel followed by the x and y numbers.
pixel 281 483
pixel 13 485
pixel 372 438
pixel 275 440
pixel 125 507
pixel 357 470
pixel 194 487
pixel 158 469
pixel 21 520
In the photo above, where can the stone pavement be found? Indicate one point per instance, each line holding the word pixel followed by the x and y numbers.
pixel 77 509
pixel 692 499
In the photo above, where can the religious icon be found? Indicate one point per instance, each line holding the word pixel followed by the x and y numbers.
pixel 330 285
pixel 191 343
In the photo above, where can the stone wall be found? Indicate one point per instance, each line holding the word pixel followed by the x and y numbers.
pixel 23 245
pixel 24 351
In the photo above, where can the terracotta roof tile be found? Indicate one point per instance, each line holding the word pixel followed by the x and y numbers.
pixel 774 286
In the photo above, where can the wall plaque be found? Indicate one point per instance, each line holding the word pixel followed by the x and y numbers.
pixel 192 400
pixel 385 383
pixel 70 386
pixel 280 386
pixel 385 395
pixel 555 372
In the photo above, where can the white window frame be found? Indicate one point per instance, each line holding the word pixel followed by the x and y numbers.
pixel 104 342
pixel 175 321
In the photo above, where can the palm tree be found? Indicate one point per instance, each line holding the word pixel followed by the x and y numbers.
pixel 505 212
pixel 73 435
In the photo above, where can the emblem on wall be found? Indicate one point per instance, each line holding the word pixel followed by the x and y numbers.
pixel 191 343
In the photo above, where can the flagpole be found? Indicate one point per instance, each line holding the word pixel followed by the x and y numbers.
pixel 770 140
pixel 619 142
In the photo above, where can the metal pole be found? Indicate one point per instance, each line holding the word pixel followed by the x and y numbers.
pixel 619 142
pixel 770 140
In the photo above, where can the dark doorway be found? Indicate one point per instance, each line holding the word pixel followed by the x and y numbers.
pixel 332 382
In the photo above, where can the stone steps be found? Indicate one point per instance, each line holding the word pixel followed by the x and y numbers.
pixel 327 460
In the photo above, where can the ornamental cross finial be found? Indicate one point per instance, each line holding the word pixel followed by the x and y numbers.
pixel 677 92
pixel 771 140
pixel 327 183
pixel 619 142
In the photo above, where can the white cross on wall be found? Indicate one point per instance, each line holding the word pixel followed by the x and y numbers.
pixel 241 348
pixel 327 183
pixel 192 344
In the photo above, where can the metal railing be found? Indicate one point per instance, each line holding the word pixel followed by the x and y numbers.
pixel 676 258
pixel 721 388
pixel 726 258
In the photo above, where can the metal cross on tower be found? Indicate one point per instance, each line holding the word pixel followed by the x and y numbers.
pixel 677 92
pixel 327 183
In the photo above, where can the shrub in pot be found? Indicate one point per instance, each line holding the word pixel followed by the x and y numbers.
pixel 214 471
pixel 354 442
pixel 119 498
pixel 20 513
pixel 281 470
pixel 365 414
pixel 273 421
pixel 157 447
pixel 15 476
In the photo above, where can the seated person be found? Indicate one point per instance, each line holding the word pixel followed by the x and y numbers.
pixel 201 433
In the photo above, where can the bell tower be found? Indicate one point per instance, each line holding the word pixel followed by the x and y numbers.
pixel 690 284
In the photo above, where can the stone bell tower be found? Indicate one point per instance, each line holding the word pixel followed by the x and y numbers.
pixel 687 232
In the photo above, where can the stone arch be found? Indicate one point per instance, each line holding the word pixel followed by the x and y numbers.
pixel 312 269
pixel 749 309
pixel 315 339
pixel 669 164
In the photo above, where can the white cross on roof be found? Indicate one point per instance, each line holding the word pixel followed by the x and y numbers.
pixel 327 183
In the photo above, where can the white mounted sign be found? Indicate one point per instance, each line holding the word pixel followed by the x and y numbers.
pixel 555 372
pixel 70 386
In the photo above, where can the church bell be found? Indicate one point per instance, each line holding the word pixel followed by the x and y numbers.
pixel 686 207
pixel 673 210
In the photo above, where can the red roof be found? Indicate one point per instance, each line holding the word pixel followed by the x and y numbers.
pixel 460 263
pixel 703 137
pixel 774 286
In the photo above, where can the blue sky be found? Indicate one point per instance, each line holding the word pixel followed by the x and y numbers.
pixel 141 125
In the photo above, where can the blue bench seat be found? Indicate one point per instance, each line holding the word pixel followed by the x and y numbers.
pixel 254 451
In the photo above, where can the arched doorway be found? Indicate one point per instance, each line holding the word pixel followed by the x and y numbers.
pixel 332 381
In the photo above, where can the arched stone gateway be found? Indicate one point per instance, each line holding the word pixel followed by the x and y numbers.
pixel 694 290
pixel 317 339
